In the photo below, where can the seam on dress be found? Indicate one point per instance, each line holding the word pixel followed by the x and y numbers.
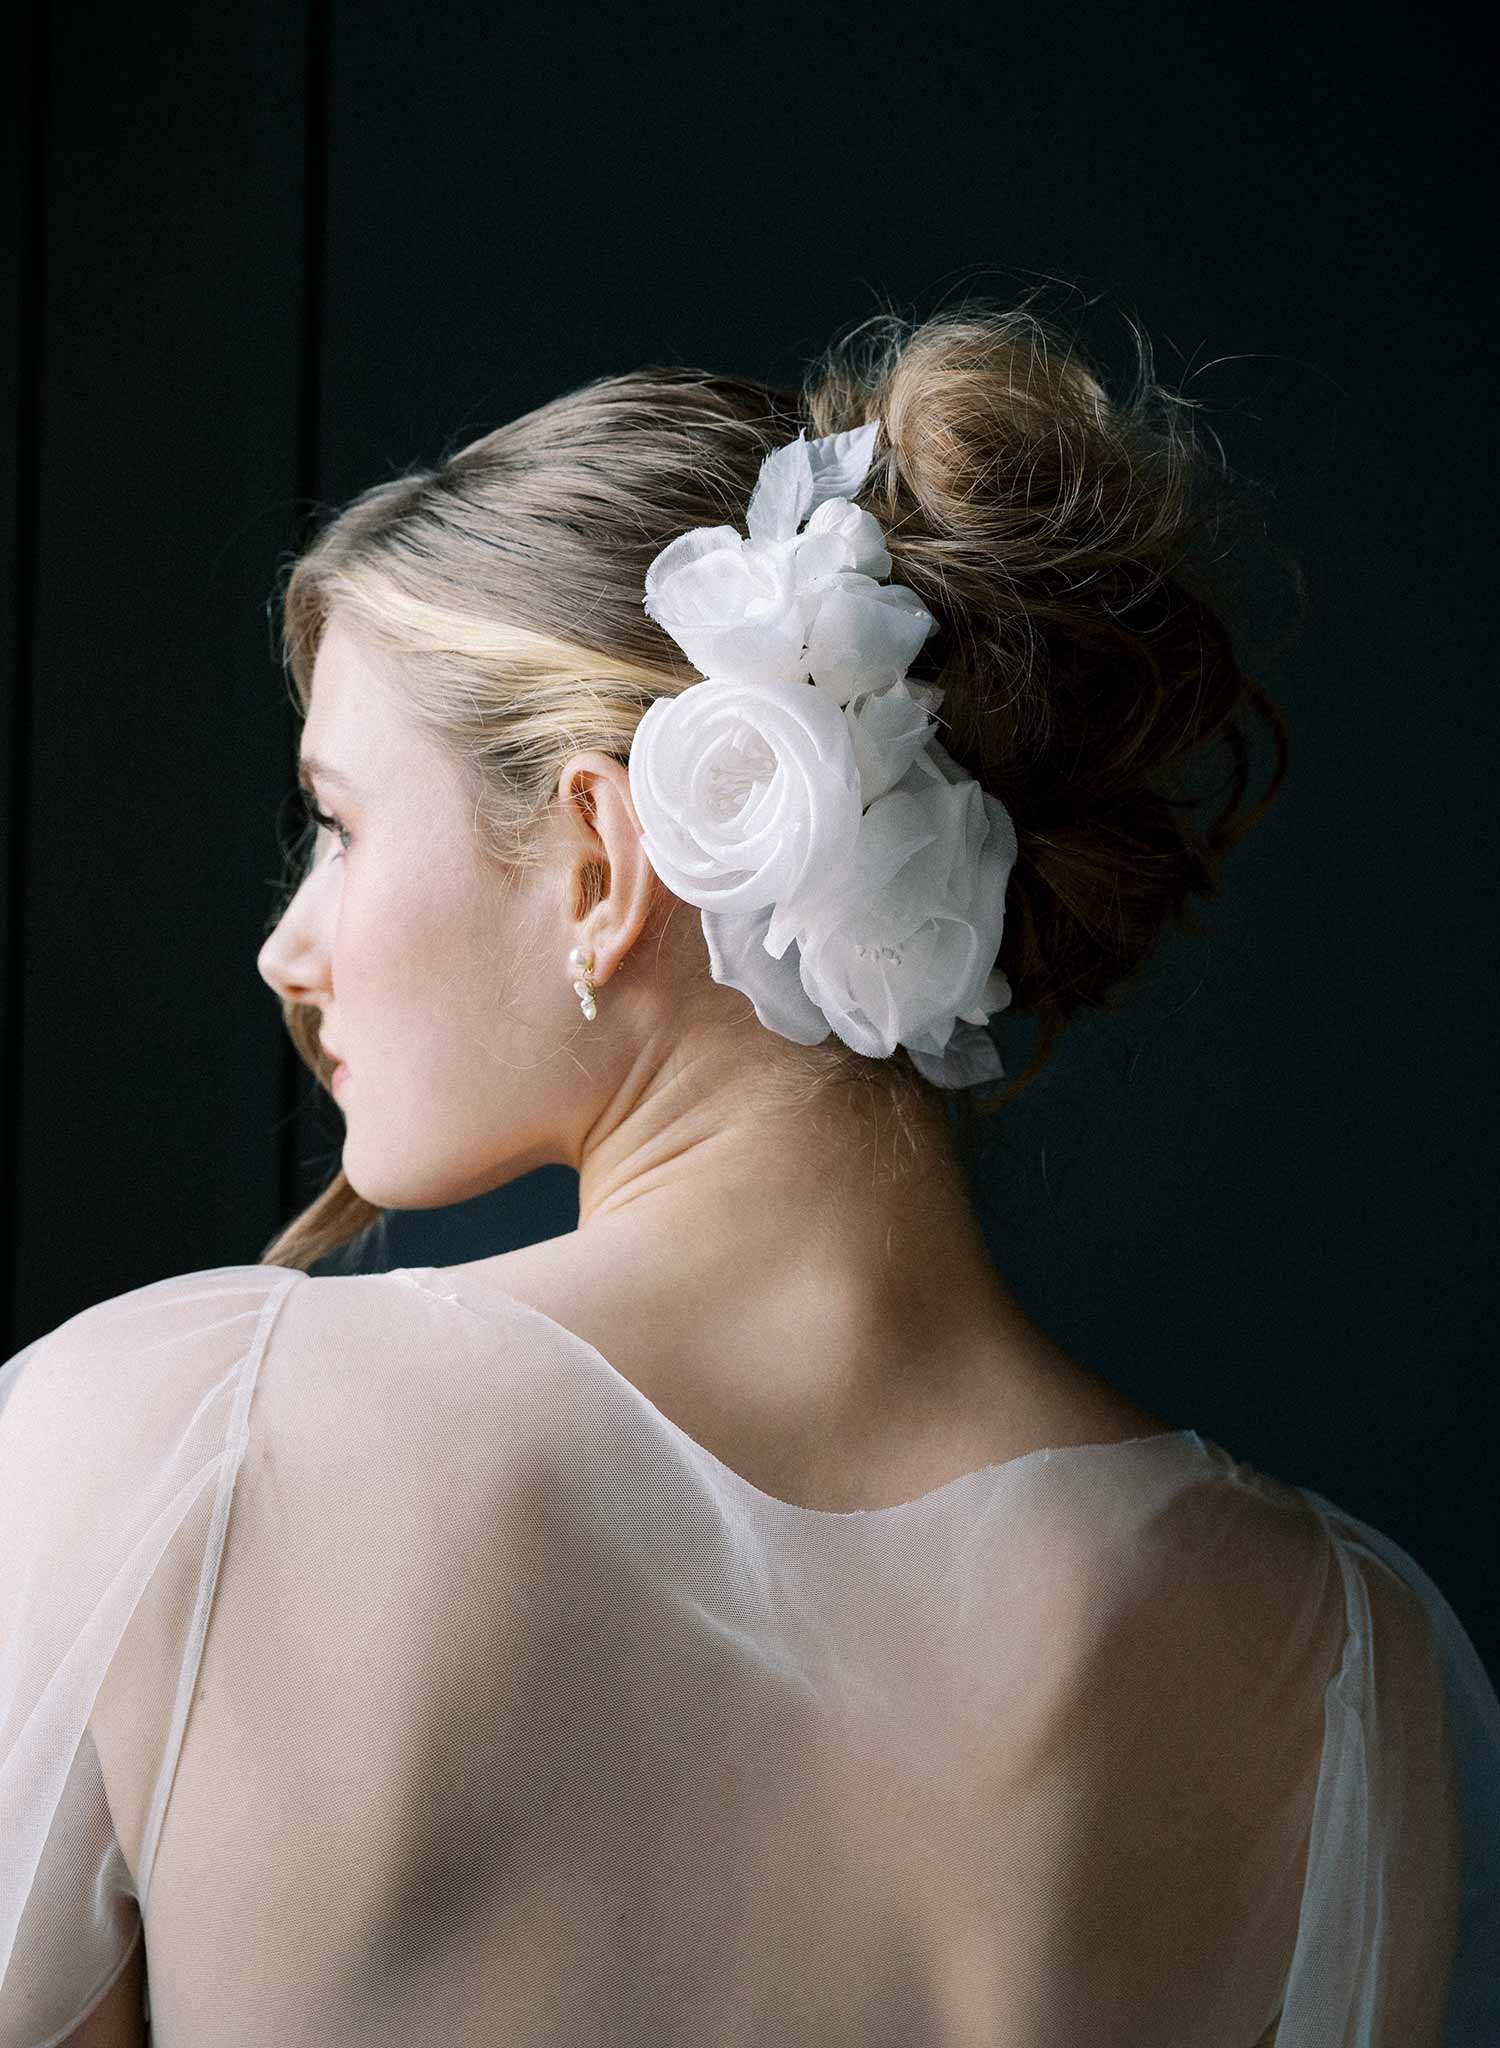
pixel 237 1436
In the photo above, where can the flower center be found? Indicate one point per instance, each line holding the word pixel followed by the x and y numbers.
pixel 730 780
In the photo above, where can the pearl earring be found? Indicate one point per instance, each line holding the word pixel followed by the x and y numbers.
pixel 582 965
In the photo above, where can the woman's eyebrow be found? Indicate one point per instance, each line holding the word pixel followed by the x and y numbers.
pixel 309 765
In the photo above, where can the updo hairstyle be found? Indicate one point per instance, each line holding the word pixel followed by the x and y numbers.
pixel 1072 548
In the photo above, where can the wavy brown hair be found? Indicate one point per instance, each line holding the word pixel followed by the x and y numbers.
pixel 1074 548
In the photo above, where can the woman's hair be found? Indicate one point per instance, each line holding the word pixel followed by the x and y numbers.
pixel 1070 546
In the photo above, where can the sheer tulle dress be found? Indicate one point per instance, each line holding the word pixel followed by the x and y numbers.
pixel 390 1665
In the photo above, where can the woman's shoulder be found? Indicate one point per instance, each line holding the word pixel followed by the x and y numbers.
pixel 797 1399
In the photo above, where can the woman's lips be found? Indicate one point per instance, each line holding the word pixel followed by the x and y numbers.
pixel 340 1073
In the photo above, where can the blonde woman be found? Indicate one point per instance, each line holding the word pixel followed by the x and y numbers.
pixel 736 1620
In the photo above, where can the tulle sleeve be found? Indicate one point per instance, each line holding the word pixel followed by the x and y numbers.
pixel 1399 1935
pixel 121 1432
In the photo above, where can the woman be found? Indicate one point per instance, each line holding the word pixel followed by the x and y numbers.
pixel 736 1619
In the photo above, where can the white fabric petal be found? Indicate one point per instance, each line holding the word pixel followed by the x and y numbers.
pixel 865 635
pixel 841 462
pixel 738 959
pixel 687 549
pixel 736 613
pixel 969 1058
pixel 905 940
pixel 819 560
pixel 889 729
pixel 783 493
pixel 796 478
pixel 861 542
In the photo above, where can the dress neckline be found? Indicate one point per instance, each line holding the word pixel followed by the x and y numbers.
pixel 963 1483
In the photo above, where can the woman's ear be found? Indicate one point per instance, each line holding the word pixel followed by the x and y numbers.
pixel 611 887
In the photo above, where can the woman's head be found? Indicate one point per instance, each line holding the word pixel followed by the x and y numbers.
pixel 440 980
pixel 470 649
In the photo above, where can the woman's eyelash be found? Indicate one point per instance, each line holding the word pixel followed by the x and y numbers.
pixel 323 818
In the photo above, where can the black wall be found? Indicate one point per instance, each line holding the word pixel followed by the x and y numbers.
pixel 258 258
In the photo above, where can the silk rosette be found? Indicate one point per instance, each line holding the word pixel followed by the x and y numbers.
pixel 850 875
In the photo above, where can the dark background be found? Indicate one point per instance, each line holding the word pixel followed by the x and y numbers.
pixel 260 257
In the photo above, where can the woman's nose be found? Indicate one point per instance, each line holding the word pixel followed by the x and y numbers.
pixel 289 963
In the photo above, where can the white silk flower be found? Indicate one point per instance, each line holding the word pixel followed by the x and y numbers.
pixel 781 606
pixel 851 876
pixel 899 945
pixel 746 792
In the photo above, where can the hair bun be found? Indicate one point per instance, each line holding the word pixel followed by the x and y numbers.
pixel 1065 542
